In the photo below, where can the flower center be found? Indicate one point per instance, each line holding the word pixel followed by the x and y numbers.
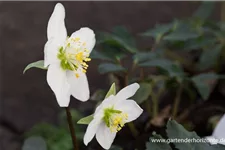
pixel 114 119
pixel 74 55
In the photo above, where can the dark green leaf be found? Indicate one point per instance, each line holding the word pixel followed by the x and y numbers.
pixel 37 64
pixel 98 55
pixel 171 68
pixel 109 67
pixel 205 10
pixel 209 57
pixel 203 83
pixel 198 44
pixel 154 145
pixel 34 143
pixel 120 37
pixel 114 147
pixel 145 56
pixel 98 95
pixel 86 120
pixel 159 30
pixel 181 35
pixel 112 91
pixel 142 93
pixel 185 140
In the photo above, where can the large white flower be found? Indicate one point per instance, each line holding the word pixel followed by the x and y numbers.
pixel 111 115
pixel 66 58
pixel 218 136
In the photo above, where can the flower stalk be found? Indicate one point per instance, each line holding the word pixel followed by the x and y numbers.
pixel 72 130
pixel 177 101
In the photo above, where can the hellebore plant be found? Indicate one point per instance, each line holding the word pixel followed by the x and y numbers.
pixel 111 115
pixel 66 58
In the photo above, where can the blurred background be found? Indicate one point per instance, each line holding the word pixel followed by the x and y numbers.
pixel 26 99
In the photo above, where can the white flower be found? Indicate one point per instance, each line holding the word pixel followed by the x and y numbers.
pixel 66 58
pixel 111 115
pixel 218 136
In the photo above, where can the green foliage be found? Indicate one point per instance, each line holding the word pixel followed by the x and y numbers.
pixel 181 138
pixel 57 137
pixel 38 64
pixel 209 57
pixel 143 92
pixel 156 146
pixel 112 91
pixel 109 67
pixel 86 120
pixel 34 143
pixel 203 83
pixel 120 37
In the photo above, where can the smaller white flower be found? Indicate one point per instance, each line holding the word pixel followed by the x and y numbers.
pixel 218 136
pixel 111 115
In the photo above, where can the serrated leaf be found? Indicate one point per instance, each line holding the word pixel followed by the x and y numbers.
pixel 203 83
pixel 109 67
pixel 112 91
pixel 38 64
pixel 153 145
pixel 86 120
pixel 142 93
pixel 171 68
pixel 34 143
pixel 209 57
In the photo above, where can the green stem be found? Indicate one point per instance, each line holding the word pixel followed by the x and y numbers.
pixel 133 129
pixel 177 102
pixel 154 105
pixel 148 107
pixel 131 125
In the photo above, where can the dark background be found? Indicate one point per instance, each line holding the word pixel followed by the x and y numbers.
pixel 27 99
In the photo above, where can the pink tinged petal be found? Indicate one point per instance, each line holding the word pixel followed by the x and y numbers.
pixel 50 53
pixel 86 35
pixel 219 130
pixel 104 136
pixel 131 108
pixel 127 92
pixel 91 130
pixel 79 87
pixel 56 78
pixel 56 26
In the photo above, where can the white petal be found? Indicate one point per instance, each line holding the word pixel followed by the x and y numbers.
pixel 127 92
pixel 106 103
pixel 91 130
pixel 104 136
pixel 219 130
pixel 79 86
pixel 56 26
pixel 130 107
pixel 56 78
pixel 50 52
pixel 86 35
